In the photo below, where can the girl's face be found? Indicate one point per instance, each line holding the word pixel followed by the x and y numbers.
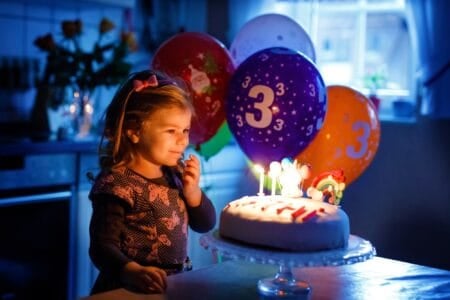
pixel 164 136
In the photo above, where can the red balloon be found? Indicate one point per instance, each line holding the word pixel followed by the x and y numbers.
pixel 206 66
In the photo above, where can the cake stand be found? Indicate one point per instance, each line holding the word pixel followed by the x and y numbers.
pixel 284 284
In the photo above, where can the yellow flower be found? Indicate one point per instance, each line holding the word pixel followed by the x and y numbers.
pixel 68 64
pixel 130 40
pixel 106 25
pixel 71 29
pixel 45 42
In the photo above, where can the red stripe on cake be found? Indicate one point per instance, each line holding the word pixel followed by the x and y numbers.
pixel 249 203
pixel 309 216
pixel 263 208
pixel 280 210
pixel 298 212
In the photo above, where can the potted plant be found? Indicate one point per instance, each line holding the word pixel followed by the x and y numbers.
pixel 374 81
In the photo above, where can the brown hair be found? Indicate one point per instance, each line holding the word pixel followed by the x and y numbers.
pixel 136 99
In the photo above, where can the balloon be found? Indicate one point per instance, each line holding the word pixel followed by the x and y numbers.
pixel 267 31
pixel 275 105
pixel 206 66
pixel 349 137
pixel 211 147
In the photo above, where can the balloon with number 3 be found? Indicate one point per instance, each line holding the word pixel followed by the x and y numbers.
pixel 276 104
pixel 349 137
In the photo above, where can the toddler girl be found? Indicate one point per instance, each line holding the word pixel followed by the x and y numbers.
pixel 145 196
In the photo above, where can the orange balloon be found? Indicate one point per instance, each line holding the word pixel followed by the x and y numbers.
pixel 348 139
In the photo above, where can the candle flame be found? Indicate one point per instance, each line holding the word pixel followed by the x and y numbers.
pixel 275 169
pixel 259 169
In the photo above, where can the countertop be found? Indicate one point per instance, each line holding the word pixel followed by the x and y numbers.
pixel 26 146
pixel 376 278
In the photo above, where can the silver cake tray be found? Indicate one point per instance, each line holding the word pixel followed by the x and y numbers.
pixel 358 250
pixel 284 284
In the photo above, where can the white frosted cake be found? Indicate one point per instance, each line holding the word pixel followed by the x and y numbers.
pixel 294 224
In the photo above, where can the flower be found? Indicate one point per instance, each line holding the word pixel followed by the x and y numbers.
pixel 375 79
pixel 69 65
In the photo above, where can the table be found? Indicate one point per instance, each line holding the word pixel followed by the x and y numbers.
pixel 376 278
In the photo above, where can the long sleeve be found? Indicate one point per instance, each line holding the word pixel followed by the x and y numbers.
pixel 106 225
pixel 202 218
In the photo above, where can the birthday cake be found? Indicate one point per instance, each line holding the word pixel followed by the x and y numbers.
pixel 291 223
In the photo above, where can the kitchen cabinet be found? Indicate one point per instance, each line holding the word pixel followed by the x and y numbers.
pixel 44 209
pixel 85 271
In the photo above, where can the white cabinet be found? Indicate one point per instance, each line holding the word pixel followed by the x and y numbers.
pixel 85 270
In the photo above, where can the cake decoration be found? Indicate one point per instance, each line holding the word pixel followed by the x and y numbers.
pixel 328 187
pixel 298 212
pixel 285 176
pixel 274 173
pixel 309 216
pixel 289 176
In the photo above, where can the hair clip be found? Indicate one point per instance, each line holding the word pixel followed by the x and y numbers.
pixel 139 85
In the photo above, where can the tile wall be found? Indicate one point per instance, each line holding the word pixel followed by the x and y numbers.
pixel 21 22
pixel 24 20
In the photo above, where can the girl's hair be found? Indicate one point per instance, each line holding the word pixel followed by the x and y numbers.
pixel 136 99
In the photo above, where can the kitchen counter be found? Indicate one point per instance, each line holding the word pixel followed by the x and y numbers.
pixel 14 147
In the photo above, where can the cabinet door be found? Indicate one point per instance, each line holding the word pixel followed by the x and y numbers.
pixel 86 272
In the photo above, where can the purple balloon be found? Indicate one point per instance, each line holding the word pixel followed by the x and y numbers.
pixel 276 104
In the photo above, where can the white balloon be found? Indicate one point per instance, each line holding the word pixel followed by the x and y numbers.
pixel 270 30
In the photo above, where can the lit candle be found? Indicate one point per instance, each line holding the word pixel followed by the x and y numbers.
pixel 260 170
pixel 274 172
pixel 305 173
pixel 289 179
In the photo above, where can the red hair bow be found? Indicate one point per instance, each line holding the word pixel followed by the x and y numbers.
pixel 139 85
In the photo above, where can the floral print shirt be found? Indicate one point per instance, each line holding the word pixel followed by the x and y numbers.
pixel 143 220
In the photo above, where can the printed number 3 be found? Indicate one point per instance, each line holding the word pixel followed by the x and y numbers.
pixel 263 107
pixel 363 139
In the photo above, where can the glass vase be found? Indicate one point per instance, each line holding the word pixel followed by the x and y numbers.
pixel 81 110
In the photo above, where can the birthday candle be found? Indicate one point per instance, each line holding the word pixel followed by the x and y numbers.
pixel 274 172
pixel 260 170
pixel 305 173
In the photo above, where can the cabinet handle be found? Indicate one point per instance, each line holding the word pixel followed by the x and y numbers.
pixel 46 197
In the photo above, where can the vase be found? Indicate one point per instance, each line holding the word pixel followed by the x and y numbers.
pixel 63 113
pixel 39 119
pixel 82 112
pixel 375 100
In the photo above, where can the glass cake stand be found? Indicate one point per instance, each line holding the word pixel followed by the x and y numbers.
pixel 284 284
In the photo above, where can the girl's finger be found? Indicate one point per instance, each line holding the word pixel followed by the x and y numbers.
pixel 155 287
pixel 159 279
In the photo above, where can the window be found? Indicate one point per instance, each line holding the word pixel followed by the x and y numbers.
pixel 364 44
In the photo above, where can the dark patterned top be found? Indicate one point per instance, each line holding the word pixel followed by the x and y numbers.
pixel 144 220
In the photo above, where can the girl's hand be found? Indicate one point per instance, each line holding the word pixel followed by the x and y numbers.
pixel 191 181
pixel 145 279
